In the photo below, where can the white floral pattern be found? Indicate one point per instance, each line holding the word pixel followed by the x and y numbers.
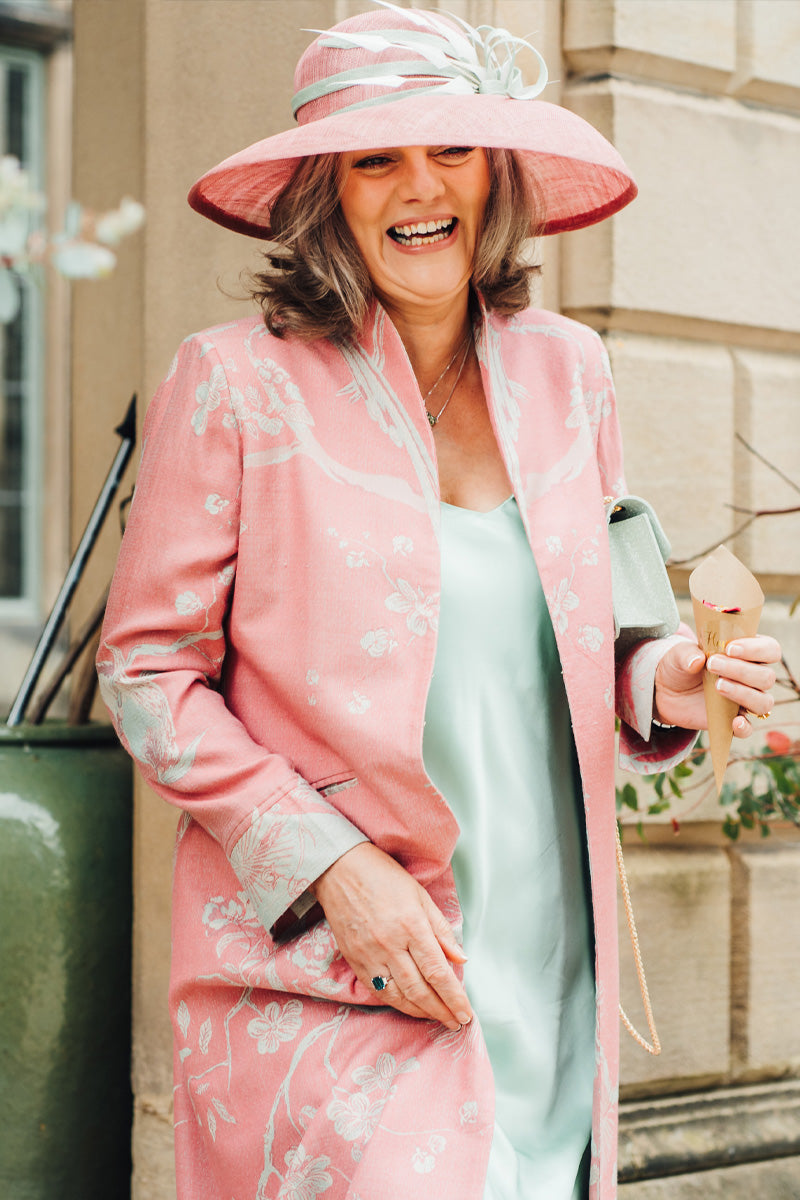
pixel 276 1025
pixel 421 611
pixel 306 1177
pixel 378 642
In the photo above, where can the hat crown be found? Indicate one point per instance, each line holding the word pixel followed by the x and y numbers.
pixel 392 53
pixel 321 61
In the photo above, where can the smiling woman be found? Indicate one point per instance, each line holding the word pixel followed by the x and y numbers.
pixel 387 707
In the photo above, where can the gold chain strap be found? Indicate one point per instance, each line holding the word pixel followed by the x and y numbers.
pixel 654 1046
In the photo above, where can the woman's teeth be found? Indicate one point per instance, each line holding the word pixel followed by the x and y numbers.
pixel 422 233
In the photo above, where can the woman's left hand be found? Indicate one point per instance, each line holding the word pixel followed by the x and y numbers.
pixel 744 673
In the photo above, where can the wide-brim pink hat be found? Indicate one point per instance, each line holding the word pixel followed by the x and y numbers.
pixel 397 76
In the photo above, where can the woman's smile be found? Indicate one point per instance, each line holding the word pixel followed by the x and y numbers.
pixel 415 213
pixel 423 233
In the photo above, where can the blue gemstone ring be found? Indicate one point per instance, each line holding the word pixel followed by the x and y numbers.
pixel 379 982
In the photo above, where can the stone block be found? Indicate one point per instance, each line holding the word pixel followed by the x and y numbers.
pixel 676 408
pixel 153 1158
pixel 767 956
pixel 767 391
pixel 678 41
pixel 681 899
pixel 768 67
pixel 712 236
pixel 778 1179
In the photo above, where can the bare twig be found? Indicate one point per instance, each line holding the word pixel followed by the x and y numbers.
pixel 752 514
pixel 767 463
pixel 763 512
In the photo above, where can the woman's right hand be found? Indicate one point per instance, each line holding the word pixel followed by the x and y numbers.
pixel 386 924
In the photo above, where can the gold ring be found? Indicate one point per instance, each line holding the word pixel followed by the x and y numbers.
pixel 763 716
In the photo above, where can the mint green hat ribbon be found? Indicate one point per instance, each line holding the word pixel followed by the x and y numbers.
pixel 481 60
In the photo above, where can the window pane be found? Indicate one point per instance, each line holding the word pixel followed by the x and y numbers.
pixel 12 459
pixel 17 106
pixel 20 136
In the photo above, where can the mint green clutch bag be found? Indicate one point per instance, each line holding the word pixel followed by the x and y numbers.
pixel 644 606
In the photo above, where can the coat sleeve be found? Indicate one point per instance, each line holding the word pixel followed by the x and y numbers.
pixel 643 747
pixel 163 648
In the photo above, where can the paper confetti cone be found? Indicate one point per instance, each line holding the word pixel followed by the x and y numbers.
pixel 727 604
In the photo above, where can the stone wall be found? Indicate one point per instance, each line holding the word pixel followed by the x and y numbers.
pixel 695 289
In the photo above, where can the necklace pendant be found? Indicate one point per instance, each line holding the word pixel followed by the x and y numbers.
pixel 431 418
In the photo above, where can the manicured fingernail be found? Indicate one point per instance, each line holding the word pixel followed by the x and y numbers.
pixel 464 1018
pixel 734 650
pixel 723 685
pixel 695 659
pixel 716 663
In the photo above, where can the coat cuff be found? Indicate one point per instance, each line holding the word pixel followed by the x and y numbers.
pixel 286 847
pixel 645 747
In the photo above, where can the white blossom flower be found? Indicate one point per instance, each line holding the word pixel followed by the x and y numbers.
pixel 554 544
pixel 215 503
pixel 312 677
pixel 83 260
pixel 111 227
pixel 423 1161
pixel 468 1113
pixel 359 703
pixel 188 603
pixel 590 637
pixel 316 950
pixel 402 544
pixel 421 611
pixel 306 1177
pixel 378 642
pixel 383 1074
pixel 208 396
pixel 561 601
pixel 277 1025
pixel 356 1116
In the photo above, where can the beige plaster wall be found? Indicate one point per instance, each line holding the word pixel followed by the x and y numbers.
pixel 695 290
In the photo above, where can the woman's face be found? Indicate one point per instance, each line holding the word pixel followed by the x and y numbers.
pixel 415 213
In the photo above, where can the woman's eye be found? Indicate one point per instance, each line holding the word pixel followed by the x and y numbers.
pixel 454 152
pixel 373 163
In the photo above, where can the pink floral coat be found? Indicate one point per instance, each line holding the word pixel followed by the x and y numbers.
pixel 266 658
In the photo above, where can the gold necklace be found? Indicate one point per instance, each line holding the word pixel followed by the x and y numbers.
pixel 433 420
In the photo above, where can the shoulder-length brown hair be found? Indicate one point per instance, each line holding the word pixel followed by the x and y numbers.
pixel 316 283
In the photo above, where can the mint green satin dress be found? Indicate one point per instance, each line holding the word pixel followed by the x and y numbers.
pixel 498 744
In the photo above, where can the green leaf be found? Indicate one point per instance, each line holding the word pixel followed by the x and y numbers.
pixel 630 797
pixel 730 828
pixel 675 787
pixel 682 771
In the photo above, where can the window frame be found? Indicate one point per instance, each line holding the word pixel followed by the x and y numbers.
pixel 25 607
